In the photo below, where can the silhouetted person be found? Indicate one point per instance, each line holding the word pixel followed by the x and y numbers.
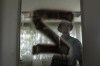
pixel 75 51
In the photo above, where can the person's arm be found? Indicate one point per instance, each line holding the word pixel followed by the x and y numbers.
pixel 79 49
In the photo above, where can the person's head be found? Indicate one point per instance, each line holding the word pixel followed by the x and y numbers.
pixel 65 27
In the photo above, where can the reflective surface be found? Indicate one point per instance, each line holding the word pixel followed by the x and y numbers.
pixel 30 36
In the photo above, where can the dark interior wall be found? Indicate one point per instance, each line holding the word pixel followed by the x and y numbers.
pixel 9 32
pixel 91 32
pixel 90 24
pixel 0 31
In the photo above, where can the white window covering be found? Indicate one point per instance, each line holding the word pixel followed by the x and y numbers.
pixel 29 36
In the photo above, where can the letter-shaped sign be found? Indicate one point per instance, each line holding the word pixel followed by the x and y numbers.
pixel 40 14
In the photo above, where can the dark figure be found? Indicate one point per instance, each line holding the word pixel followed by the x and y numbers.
pixel 75 52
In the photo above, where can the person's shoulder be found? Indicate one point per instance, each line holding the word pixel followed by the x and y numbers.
pixel 75 40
